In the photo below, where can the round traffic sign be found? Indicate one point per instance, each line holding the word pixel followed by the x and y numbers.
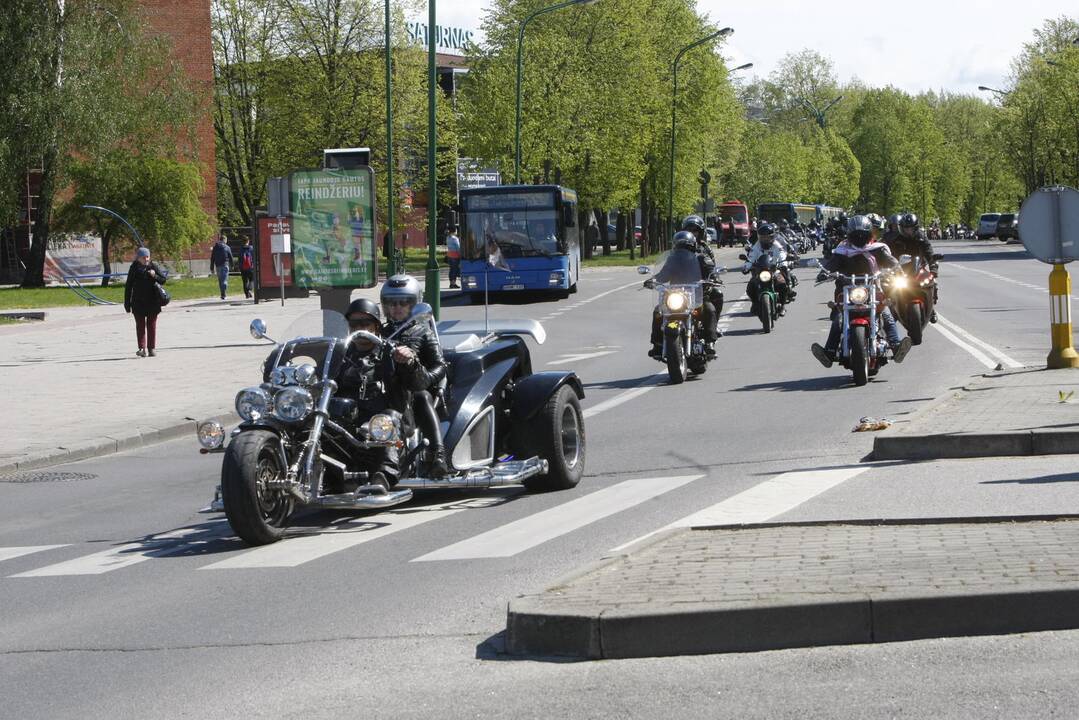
pixel 1049 224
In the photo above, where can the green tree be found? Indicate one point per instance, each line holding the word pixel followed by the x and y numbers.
pixel 158 195
pixel 81 78
pixel 774 167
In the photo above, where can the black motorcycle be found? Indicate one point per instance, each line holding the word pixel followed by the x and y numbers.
pixel 913 294
pixel 298 439
pixel 684 350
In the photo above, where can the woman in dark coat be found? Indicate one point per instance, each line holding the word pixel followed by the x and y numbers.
pixel 141 299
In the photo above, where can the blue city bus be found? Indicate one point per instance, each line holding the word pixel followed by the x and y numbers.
pixel 519 238
pixel 796 212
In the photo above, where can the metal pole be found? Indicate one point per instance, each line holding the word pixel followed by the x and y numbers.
pixel 281 262
pixel 390 194
pixel 431 290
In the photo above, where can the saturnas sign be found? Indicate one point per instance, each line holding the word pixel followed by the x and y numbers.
pixel 449 37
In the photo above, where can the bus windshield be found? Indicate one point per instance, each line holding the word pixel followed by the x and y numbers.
pixel 522 225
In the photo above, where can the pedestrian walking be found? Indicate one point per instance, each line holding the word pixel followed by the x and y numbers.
pixel 220 261
pixel 143 298
pixel 453 255
pixel 247 266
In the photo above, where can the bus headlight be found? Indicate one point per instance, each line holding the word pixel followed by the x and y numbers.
pixel 765 276
pixel 859 295
pixel 253 404
pixel 676 301
pixel 555 279
pixel 292 404
pixel 211 435
pixel 469 282
pixel 382 428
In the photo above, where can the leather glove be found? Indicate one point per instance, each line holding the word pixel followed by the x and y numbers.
pixel 822 276
pixel 650 284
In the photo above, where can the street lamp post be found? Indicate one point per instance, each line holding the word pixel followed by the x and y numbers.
pixel 674 104
pixel 390 194
pixel 986 88
pixel 520 66
pixel 819 114
pixel 431 288
pixel 747 66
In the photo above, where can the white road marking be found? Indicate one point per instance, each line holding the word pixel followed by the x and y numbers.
pixel 528 532
pixel 978 354
pixel 125 555
pixel 762 502
pixel 647 384
pixel 581 356
pixel 1003 278
pixel 10 553
pixel 998 354
pixel 294 551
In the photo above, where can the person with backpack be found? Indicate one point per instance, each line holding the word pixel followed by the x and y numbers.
pixel 247 267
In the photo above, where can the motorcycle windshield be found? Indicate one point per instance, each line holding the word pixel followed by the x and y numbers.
pixel 309 339
pixel 678 267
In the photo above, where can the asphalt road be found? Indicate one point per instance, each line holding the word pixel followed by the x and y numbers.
pixel 133 604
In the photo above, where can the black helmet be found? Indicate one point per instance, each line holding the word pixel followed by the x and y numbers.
pixel 783 224
pixel 363 306
pixel 766 228
pixel 693 223
pixel 876 220
pixel 686 240
pixel 859 230
pixel 909 220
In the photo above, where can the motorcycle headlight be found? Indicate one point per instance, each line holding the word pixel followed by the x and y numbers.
pixel 859 295
pixel 676 301
pixel 292 404
pixel 306 374
pixel 211 435
pixel 900 282
pixel 253 403
pixel 765 276
pixel 382 428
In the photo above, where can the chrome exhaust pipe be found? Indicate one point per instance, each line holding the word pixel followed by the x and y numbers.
pixel 507 473
pixel 351 501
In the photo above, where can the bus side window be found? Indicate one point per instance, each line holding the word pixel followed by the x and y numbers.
pixel 569 215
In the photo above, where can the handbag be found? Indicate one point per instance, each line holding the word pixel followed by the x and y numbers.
pixel 163 296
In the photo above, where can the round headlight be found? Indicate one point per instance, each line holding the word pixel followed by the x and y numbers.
pixel 676 301
pixel 765 276
pixel 305 374
pixel 859 294
pixel 382 428
pixel 280 375
pixel 252 403
pixel 899 281
pixel 211 435
pixel 292 404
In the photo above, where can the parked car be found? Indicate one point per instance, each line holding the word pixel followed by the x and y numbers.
pixel 987 225
pixel 1008 227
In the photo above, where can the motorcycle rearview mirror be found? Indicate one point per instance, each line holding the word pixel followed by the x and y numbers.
pixel 368 336
pixel 258 330
pixel 643 270
pixel 742 256
pixel 937 257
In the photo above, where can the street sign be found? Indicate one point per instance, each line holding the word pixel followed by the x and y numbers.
pixel 1049 224
pixel 281 243
pixel 277 197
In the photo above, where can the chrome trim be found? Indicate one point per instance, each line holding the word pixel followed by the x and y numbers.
pixel 489 410
pixel 351 501
pixel 507 473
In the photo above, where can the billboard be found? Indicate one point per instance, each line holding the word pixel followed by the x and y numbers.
pixel 333 233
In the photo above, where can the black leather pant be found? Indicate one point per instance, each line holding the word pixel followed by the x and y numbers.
pixel 423 407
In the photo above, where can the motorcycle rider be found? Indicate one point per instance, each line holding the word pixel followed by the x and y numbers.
pixel 377 384
pixel 766 245
pixel 695 225
pixel 910 239
pixel 858 256
pixel 399 295
pixel 685 266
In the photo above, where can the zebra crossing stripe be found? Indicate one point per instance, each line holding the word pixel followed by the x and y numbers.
pixel 10 553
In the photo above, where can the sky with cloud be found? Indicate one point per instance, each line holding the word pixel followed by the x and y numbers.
pixel 914 44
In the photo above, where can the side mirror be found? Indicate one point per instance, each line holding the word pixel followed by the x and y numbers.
pixel 258 329
pixel 742 256
pixel 421 311
pixel 643 270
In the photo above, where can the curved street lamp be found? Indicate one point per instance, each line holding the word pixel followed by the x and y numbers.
pixel 818 114
pixel 520 66
pixel 747 66
pixel 674 104
pixel 986 88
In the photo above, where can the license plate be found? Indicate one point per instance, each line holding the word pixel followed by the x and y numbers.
pixel 513 287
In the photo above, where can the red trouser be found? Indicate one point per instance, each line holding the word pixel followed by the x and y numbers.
pixel 146 331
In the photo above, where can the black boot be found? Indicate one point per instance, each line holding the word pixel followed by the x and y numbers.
pixel 439 466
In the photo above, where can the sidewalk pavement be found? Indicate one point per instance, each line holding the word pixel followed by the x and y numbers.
pixel 1020 412
pixel 74 388
pixel 764 587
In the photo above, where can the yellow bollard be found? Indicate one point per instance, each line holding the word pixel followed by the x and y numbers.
pixel 1062 354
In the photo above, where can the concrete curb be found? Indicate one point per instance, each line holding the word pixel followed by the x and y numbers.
pixel 108 445
pixel 542 625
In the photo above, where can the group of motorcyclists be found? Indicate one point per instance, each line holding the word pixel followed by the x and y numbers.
pixel 859 245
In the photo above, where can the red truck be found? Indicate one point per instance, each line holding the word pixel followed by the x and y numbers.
pixel 736 211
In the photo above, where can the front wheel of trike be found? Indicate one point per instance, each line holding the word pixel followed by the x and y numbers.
pixel 257 511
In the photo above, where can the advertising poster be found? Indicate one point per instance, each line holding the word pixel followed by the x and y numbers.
pixel 333 233
pixel 267 262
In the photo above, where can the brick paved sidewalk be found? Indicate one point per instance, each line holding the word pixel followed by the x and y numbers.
pixel 778 586
pixel 1008 413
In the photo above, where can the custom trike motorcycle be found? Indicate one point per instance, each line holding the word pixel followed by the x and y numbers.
pixel 300 444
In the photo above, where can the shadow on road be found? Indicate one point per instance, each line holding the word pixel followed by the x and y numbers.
pixel 626 383
pixel 1043 480
pixel 980 257
pixel 825 382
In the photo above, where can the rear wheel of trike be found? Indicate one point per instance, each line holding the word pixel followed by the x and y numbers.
pixel 556 434
pixel 257 512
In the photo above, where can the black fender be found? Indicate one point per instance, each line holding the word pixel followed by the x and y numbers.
pixel 677 330
pixel 284 441
pixel 531 393
pixel 483 393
